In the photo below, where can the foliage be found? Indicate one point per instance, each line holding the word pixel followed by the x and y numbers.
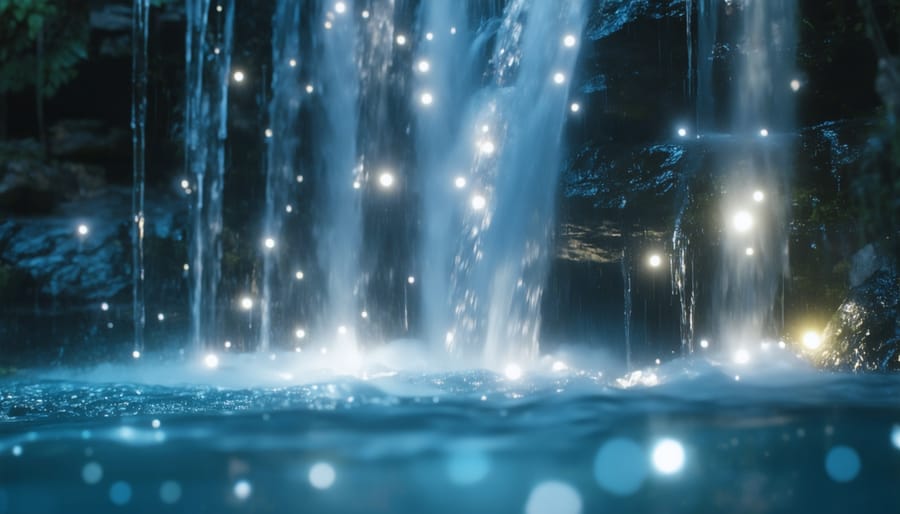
pixel 65 31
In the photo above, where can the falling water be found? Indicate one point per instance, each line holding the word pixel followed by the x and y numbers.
pixel 206 131
pixel 627 305
pixel 708 23
pixel 283 145
pixel 195 155
pixel 757 165
pixel 218 137
pixel 140 16
pixel 339 236
pixel 506 149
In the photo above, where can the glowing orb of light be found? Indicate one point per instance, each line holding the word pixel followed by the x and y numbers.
pixel 559 366
pixel 812 339
pixel 218 8
pixel 478 202
pixel 288 208
pixel 741 356
pixel 161 317
pixel 842 463
pixel 227 344
pixel 155 423
pixel 764 132
pixel 91 473
pixel 322 475
pixel 620 466
pixel 453 30
pixel 120 493
pixel 429 36
pixel 553 497
pixel 342 330
pixel 795 85
pixel 364 314
pixel 238 76
pixel 513 371
pixel 185 184
pixel 357 184
pixel 569 40
pixel 749 251
pixel 426 98
pixel 487 147
pixel 401 40
pixel 742 221
pixel 300 333
pixel 136 354
pixel 575 107
pixel 411 280
pixel 170 492
pixel 242 489
pixel 104 306
pixel 328 25
pixel 459 182
pixel 668 456
pixel 682 132
pixel 340 7
pixel 309 88
pixel 704 343
pixel 895 436
pixel 299 179
pixel 246 303
pixel 559 78
pixel 467 466
pixel 268 132
pixel 269 243
pixel 365 14
pixel 654 261
pixel 186 267
pixel 293 63
pixel 423 66
pixel 298 275
pixel 386 179
pixel 211 360
pixel 83 230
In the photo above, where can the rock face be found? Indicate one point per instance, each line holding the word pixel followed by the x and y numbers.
pixel 864 333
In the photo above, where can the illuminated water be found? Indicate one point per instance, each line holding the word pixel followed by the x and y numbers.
pixel 783 440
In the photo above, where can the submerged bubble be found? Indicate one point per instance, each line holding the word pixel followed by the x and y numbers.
pixel 620 466
pixel 842 463
pixel 467 466
pixel 242 489
pixel 120 493
pixel 322 475
pixel 668 456
pixel 170 492
pixel 553 497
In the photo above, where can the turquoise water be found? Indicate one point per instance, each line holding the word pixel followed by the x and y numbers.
pixel 690 436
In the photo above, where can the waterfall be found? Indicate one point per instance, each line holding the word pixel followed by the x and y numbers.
pixel 755 163
pixel 140 18
pixel 283 142
pixel 506 149
pixel 195 155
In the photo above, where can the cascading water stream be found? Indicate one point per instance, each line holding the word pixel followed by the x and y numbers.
pixel 195 125
pixel 756 165
pixel 509 142
pixel 283 141
pixel 139 37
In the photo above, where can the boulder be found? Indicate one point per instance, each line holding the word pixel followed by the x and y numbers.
pixel 864 333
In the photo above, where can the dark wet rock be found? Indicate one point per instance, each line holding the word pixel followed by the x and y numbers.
pixel 611 16
pixel 864 333
pixel 87 140
pixel 65 264
pixel 30 184
pixel 111 17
